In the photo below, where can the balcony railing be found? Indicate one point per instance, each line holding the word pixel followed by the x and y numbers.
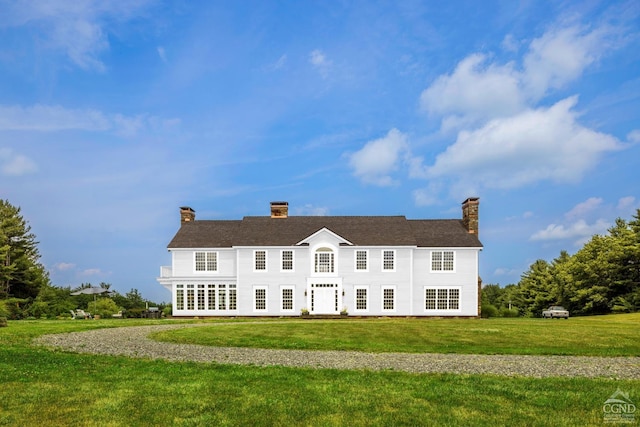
pixel 166 271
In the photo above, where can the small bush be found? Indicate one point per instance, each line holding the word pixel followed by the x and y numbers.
pixel 489 310
pixel 134 312
pixel 505 312
pixel 3 314
pixel 38 309
pixel 103 307
pixel 167 311
pixel 14 309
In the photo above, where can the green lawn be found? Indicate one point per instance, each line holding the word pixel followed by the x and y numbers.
pixel 54 388
pixel 616 335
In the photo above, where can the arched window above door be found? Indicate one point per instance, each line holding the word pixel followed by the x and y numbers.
pixel 324 260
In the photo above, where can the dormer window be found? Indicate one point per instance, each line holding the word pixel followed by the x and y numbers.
pixel 324 262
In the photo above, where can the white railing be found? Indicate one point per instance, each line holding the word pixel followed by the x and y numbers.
pixel 166 271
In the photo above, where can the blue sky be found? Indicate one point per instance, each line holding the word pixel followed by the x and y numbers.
pixel 113 114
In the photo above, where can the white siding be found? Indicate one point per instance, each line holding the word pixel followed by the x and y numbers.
pixel 465 277
pixel 411 276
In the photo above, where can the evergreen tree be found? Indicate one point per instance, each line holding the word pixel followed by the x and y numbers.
pixel 561 278
pixel 21 275
pixel 536 288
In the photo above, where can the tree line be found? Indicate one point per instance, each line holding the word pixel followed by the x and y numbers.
pixel 602 277
pixel 26 290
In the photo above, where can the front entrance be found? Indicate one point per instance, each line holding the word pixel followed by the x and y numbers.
pixel 324 298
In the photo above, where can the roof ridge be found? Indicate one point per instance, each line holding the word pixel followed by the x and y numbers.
pixel 328 216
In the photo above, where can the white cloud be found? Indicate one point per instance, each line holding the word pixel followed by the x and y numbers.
pixel 375 162
pixel 581 209
pixel 310 210
pixel 510 44
pixel 319 60
pixel 14 164
pixel 129 126
pixel 474 91
pixel 634 136
pixel 505 138
pixel 162 54
pixel 560 56
pixel 501 271
pixel 535 145
pixel 64 266
pixel 480 90
pixel 52 118
pixel 626 202
pixel 91 272
pixel 78 28
pixel 580 230
pixel 279 64
pixel 428 196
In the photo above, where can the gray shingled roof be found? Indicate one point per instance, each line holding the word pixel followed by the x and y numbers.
pixel 443 233
pixel 359 230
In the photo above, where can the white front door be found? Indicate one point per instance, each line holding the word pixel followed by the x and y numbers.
pixel 324 298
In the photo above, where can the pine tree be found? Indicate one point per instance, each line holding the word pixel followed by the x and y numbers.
pixel 21 275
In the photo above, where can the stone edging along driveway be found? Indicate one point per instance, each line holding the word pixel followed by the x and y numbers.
pixel 133 341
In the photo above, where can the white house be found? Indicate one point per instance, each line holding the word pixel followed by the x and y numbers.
pixel 279 265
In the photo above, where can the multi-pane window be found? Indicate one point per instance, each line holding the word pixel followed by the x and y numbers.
pixel 454 299
pixel 200 297
pixel 287 299
pixel 388 299
pixel 190 297
pixel 361 299
pixel 233 298
pixel 388 260
pixel 222 297
pixel 179 297
pixel 206 261
pixel 429 299
pixel 441 299
pixel 287 260
pixel 442 302
pixel 442 261
pixel 206 297
pixel 447 260
pixel 211 294
pixel 324 261
pixel 361 261
pixel 260 260
pixel 259 299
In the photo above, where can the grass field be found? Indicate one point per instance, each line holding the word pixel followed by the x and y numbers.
pixel 43 387
pixel 585 336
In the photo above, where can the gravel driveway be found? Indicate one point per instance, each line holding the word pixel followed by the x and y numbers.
pixel 134 342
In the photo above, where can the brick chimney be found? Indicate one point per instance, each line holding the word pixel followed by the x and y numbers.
pixel 279 209
pixel 470 214
pixel 187 215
